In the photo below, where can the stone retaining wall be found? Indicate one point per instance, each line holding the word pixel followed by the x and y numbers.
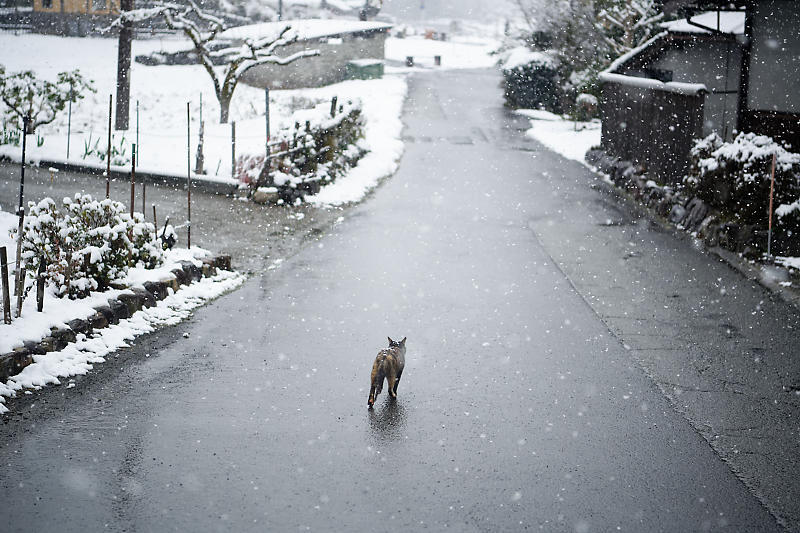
pixel 116 309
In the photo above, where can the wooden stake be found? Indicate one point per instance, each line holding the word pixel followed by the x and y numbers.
pixel 771 189
pixel 21 209
pixel 40 288
pixel 155 220
pixel 20 291
pixel 133 177
pixel 4 281
pixel 188 178
pixel 108 153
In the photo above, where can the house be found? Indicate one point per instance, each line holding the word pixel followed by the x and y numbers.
pixel 72 17
pixel 727 67
pixel 339 41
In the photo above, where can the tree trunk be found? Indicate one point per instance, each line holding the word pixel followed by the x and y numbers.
pixel 224 108
pixel 124 69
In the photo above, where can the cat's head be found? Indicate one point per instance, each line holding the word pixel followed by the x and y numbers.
pixel 395 344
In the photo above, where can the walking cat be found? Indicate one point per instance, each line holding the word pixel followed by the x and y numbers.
pixel 388 365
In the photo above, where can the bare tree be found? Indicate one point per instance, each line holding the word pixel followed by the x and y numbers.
pixel 224 65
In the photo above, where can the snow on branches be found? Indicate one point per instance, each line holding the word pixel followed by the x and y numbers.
pixel 225 65
pixel 40 100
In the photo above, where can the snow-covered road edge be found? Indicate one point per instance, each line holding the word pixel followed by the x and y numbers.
pixel 79 357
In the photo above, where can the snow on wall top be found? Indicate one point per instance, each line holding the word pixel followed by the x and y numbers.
pixel 521 56
pixel 304 29
pixel 676 87
pixel 729 22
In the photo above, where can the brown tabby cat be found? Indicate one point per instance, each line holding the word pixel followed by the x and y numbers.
pixel 388 364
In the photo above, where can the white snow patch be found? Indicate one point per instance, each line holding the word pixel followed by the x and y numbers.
pixel 570 139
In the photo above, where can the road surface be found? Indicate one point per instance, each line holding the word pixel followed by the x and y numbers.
pixel 527 402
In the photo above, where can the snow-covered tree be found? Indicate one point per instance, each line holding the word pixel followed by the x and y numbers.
pixel 41 100
pixel 225 64
pixel 628 23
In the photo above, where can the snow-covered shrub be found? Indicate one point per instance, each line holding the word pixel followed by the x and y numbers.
pixel 313 152
pixel 41 100
pixel 88 245
pixel 530 80
pixel 734 178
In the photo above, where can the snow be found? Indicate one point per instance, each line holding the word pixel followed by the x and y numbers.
pixel 729 22
pixel 627 56
pixel 568 138
pixel 34 326
pixel 458 53
pixel 648 83
pixel 80 356
pixel 162 93
pixel 382 137
pixel 304 29
pixel 521 56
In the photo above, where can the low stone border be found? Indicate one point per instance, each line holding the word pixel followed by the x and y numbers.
pixel 119 308
pixel 726 240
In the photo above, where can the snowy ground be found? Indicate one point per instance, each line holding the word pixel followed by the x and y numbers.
pixel 163 91
pixel 568 138
pixel 78 357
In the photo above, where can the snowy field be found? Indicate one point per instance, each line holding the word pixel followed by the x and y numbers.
pixel 162 93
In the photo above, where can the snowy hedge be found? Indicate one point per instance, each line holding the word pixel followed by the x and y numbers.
pixel 87 244
pixel 734 178
pixel 314 152
pixel 531 80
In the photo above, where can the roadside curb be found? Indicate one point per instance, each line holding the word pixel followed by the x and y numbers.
pixel 756 272
pixel 122 307
pixel 198 182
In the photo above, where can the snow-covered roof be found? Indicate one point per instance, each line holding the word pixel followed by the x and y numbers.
pixel 305 29
pixel 729 22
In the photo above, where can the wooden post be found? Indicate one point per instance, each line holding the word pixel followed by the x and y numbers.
pixel 155 220
pixel 409 61
pixel 20 291
pixel 4 281
pixel 108 154
pixel 40 288
pixel 133 177
pixel 21 209
pixel 333 105
pixel 138 146
pixel 437 60
pixel 771 189
pixel 188 178
pixel 69 118
pixel 233 149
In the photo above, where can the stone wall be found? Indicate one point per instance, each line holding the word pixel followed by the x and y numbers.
pixel 329 67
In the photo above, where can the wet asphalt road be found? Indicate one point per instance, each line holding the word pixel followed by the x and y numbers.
pixel 519 408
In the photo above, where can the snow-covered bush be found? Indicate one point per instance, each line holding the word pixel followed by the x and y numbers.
pixel 41 100
pixel 530 80
pixel 734 178
pixel 313 152
pixel 88 245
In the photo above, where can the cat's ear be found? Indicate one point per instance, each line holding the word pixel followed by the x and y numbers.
pixel 403 342
pixel 390 341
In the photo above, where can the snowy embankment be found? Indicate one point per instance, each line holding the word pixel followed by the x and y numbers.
pixel 568 138
pixel 79 356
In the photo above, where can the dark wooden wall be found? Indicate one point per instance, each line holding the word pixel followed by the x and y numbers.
pixel 651 127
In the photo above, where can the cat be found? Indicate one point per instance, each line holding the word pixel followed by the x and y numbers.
pixel 388 365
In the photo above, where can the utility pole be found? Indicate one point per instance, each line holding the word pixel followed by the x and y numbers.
pixel 124 69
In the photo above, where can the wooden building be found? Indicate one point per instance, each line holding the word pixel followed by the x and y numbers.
pixel 72 17
pixel 727 67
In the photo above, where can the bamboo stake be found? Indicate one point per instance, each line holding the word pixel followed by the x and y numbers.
pixel 133 178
